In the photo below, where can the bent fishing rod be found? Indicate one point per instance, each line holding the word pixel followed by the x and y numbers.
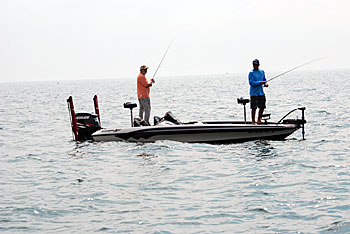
pixel 294 69
pixel 163 58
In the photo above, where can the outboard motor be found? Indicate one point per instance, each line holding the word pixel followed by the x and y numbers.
pixel 87 124
pixel 84 124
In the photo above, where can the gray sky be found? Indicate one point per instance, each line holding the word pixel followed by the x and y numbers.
pixel 95 39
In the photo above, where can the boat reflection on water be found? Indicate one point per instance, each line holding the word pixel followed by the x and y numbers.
pixel 262 149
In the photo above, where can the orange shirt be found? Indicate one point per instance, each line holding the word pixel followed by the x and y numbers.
pixel 142 89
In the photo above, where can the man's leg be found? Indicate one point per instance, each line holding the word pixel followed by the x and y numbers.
pixel 262 106
pixel 253 106
pixel 141 109
pixel 147 109
pixel 253 116
pixel 261 111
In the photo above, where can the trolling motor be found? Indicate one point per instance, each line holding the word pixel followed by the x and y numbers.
pixel 84 124
pixel 300 122
pixel 303 120
pixel 243 101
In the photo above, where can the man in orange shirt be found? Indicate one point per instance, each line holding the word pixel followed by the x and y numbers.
pixel 143 89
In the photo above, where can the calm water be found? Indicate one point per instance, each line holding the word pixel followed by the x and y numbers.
pixel 51 184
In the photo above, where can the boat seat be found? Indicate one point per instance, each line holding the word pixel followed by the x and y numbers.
pixel 242 101
pixel 130 105
pixel 265 117
pixel 138 122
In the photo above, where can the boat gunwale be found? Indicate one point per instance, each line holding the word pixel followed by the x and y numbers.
pixel 204 127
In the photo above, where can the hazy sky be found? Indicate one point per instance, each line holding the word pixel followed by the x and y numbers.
pixel 97 39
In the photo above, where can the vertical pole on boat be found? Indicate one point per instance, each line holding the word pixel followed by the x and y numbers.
pixel 243 101
pixel 132 122
pixel 97 110
pixel 303 121
pixel 73 119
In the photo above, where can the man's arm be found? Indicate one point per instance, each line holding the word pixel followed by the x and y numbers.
pixel 151 83
pixel 252 82
pixel 264 82
pixel 144 82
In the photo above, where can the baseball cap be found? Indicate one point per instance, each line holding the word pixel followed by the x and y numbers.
pixel 256 62
pixel 143 67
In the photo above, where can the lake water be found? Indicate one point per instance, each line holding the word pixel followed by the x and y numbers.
pixel 51 184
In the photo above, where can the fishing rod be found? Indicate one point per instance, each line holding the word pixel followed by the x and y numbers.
pixel 294 69
pixel 163 58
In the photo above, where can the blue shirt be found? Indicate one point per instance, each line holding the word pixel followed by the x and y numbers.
pixel 255 78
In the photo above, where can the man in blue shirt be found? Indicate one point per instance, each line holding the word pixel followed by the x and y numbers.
pixel 257 96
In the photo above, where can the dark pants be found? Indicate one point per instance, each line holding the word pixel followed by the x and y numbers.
pixel 257 102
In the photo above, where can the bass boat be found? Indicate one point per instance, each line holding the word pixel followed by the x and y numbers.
pixel 87 126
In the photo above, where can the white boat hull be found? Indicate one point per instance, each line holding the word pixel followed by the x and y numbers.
pixel 198 133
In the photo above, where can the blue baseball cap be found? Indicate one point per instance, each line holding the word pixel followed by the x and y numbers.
pixel 256 62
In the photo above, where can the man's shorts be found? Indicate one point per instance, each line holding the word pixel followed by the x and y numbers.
pixel 257 102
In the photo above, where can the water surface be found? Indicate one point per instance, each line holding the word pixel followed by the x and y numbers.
pixel 51 184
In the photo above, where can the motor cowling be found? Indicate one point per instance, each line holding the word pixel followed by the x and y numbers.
pixel 87 125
